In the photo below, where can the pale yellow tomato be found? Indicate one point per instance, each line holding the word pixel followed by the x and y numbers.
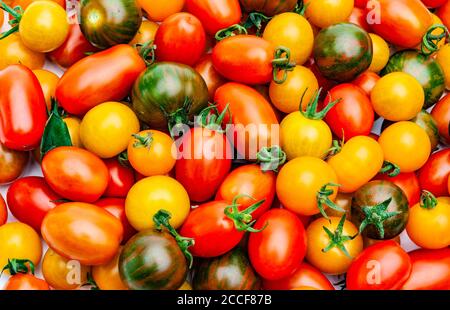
pixel 13 51
pixel 381 53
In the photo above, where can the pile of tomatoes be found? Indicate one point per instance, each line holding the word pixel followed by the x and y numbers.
pixel 151 179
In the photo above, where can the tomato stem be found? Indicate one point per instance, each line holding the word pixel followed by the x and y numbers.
pixel 147 50
pixel 337 239
pixel 431 41
pixel 428 200
pixel 323 199
pixel 243 219
pixel 376 215
pixel 300 7
pixel 391 169
pixel 256 19
pixel 179 117
pixel 231 31
pixel 210 118
pixel 271 158
pixel 16 266
pixel 16 13
pixel 282 63
pixel 335 148
pixel 143 141
pixel 311 108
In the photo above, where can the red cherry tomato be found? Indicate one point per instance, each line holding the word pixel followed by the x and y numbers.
pixel 215 14
pixel 116 206
pixel 361 4
pixel 353 115
pixel 366 81
pixel 30 199
pixel 180 38
pixel 280 247
pixel 408 182
pixel 434 3
pixel 121 179
pixel 430 270
pixel 444 13
pixel 26 282
pixel 433 176
pixel 441 114
pixel 23 111
pixel 3 211
pixel 358 17
pixel 212 78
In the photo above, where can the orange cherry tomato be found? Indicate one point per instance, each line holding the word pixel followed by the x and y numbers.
pixel 3 211
pixel 107 276
pixel 211 77
pixel 158 10
pixel 26 282
pixel 48 81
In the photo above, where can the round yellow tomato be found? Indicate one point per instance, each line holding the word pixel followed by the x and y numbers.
pixel 13 51
pixel 44 36
pixel 18 240
pixel 146 33
pixel 150 153
pixel 303 183
pixel 107 276
pixel 293 31
pixel 332 255
pixel 405 144
pixel 185 287
pixel 324 13
pixel 48 81
pixel 381 53
pixel 397 96
pixel 158 10
pixel 443 58
pixel 152 194
pixel 73 124
pixel 107 128
pixel 62 273
pixel 286 97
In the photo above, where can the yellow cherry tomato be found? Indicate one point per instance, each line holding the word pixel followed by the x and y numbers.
pixel 62 273
pixel 443 58
pixel 397 96
pixel 405 144
pixel 150 153
pixel 18 240
pixel 185 287
pixel 381 53
pixel 107 276
pixel 48 81
pixel 293 31
pixel 73 124
pixel 286 97
pixel 107 128
pixel 359 160
pixel 429 223
pixel 152 194
pixel 146 33
pixel 44 26
pixel 324 13
pixel 13 51
pixel 332 254
pixel 158 10
pixel 303 184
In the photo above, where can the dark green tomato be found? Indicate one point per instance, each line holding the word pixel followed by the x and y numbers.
pixel 152 260
pixel 425 69
pixel 168 93
pixel 426 122
pixel 392 219
pixel 343 51
pixel 231 271
pixel 268 7
pixel 106 23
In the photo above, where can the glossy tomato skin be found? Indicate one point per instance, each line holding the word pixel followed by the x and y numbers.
pixel 441 113
pixel 434 3
pixel 26 282
pixel 358 17
pixel 83 232
pixel 215 14
pixel 252 181
pixel 75 174
pixel 3 211
pixel 382 266
pixel 73 49
pixel 107 276
pixel 268 8
pixel 30 199
pixel 180 38
pixel 433 176
pixel 116 206
pixel 353 115
pixel 396 16
pixel 276 251
pixel 430 270
pixel 23 111
pixel 121 179
pixel 12 164
pixel 104 76
pixel 366 81
pixel 444 14
pixel 409 184
pixel 211 77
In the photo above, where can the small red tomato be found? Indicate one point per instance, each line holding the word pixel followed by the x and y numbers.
pixel 441 114
pixel 121 179
pixel 3 211
pixel 408 182
pixel 434 3
pixel 433 176
pixel 366 81
pixel 358 17
pixel 75 174
pixel 361 4
pixel 280 247
pixel 444 13
pixel 180 38
pixel 26 282
pixel 211 77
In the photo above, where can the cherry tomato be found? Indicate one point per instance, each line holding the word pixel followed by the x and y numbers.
pixel 383 266
pixel 107 276
pixel 433 176
pixel 116 206
pixel 121 179
pixel 444 13
pixel 158 10
pixel 12 164
pixel 73 125
pixel 3 211
pixel 25 3
pixel 443 58
pixel 146 33
pixel 82 232
pixel 48 81
pixel 405 144
pixel 14 52
pixel 75 174
pixel 430 270
pixel 328 12
pixel 353 115
pixel 212 78
pixel 180 38
pixel 434 3
pixel 26 282
pixel 358 17
pixel 366 81
pixel 215 14
pixel 408 182
pixel 441 113
pixel 381 53
pixel 277 250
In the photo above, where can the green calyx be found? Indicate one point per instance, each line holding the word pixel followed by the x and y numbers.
pixel 179 117
pixel 311 109
pixel 211 119
pixel 16 13
pixel 123 159
pixel 282 63
pixel 16 266
pixel 430 41
pixel 230 32
pixel 335 148
pixel 271 158
pixel 391 169
pixel 145 140
pixel 256 20
pixel 337 239
pixel 243 220
pixel 377 215
pixel 161 219
pixel 147 52
pixel 91 282
pixel 323 199
pixel 301 7
pixel 428 200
